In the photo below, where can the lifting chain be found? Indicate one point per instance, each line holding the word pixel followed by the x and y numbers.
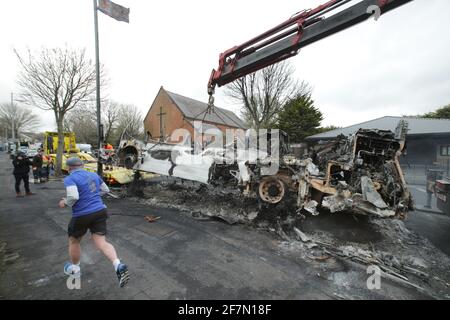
pixel 211 91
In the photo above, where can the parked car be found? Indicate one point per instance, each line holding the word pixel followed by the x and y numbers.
pixel 86 148
pixel 24 149
pixel 32 152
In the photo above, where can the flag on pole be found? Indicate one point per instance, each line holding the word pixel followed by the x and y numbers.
pixel 114 10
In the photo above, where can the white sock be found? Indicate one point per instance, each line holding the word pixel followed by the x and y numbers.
pixel 116 264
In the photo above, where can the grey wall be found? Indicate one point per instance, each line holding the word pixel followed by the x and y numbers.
pixel 424 150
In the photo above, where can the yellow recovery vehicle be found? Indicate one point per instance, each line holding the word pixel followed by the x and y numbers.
pixel 115 176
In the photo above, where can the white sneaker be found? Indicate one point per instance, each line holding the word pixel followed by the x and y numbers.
pixel 72 270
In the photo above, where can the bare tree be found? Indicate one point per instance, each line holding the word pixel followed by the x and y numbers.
pixel 264 93
pixel 24 119
pixel 111 116
pixel 57 80
pixel 118 119
pixel 3 131
pixel 83 122
pixel 130 123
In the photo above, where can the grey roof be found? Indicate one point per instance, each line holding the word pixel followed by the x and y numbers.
pixel 417 126
pixel 197 110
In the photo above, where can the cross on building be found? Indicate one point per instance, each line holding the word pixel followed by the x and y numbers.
pixel 161 114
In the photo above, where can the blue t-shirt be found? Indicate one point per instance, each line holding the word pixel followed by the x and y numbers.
pixel 88 185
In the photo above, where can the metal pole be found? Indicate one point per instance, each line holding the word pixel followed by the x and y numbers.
pixel 97 61
pixel 13 125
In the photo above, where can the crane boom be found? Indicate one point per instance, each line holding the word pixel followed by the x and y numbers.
pixel 285 40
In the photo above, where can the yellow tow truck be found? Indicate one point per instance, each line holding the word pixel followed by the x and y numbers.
pixel 113 176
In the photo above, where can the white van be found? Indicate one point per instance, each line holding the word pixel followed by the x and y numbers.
pixel 86 148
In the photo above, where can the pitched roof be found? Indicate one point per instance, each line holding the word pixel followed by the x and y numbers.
pixel 417 126
pixel 197 110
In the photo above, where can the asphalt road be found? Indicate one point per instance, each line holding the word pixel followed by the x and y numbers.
pixel 434 226
pixel 177 257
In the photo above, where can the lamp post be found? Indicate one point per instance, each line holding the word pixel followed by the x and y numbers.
pixel 98 103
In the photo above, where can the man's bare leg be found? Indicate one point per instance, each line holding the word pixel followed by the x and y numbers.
pixel 75 250
pixel 73 268
pixel 105 247
pixel 110 252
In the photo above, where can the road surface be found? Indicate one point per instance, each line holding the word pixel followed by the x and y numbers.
pixel 435 227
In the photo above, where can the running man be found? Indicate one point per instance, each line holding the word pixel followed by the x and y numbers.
pixel 84 190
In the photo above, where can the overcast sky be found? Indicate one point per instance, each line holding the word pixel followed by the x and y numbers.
pixel 397 65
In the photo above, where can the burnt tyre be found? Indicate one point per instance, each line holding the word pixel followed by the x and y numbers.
pixel 128 157
pixel 275 199
pixel 271 190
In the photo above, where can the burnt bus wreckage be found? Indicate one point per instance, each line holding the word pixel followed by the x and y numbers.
pixel 363 173
pixel 359 174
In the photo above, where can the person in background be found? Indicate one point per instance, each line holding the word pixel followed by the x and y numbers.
pixel 37 166
pixel 84 191
pixel 107 154
pixel 50 145
pixel 108 146
pixel 21 172
pixel 51 166
pixel 47 162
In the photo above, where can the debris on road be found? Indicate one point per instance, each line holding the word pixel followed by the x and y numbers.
pixel 112 195
pixel 152 219
pixel 302 236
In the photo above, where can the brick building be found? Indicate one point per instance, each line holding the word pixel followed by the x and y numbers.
pixel 171 111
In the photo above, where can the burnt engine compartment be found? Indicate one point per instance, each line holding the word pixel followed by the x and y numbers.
pixel 365 167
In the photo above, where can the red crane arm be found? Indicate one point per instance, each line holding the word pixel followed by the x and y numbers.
pixel 285 40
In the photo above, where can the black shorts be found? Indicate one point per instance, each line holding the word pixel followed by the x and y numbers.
pixel 95 222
